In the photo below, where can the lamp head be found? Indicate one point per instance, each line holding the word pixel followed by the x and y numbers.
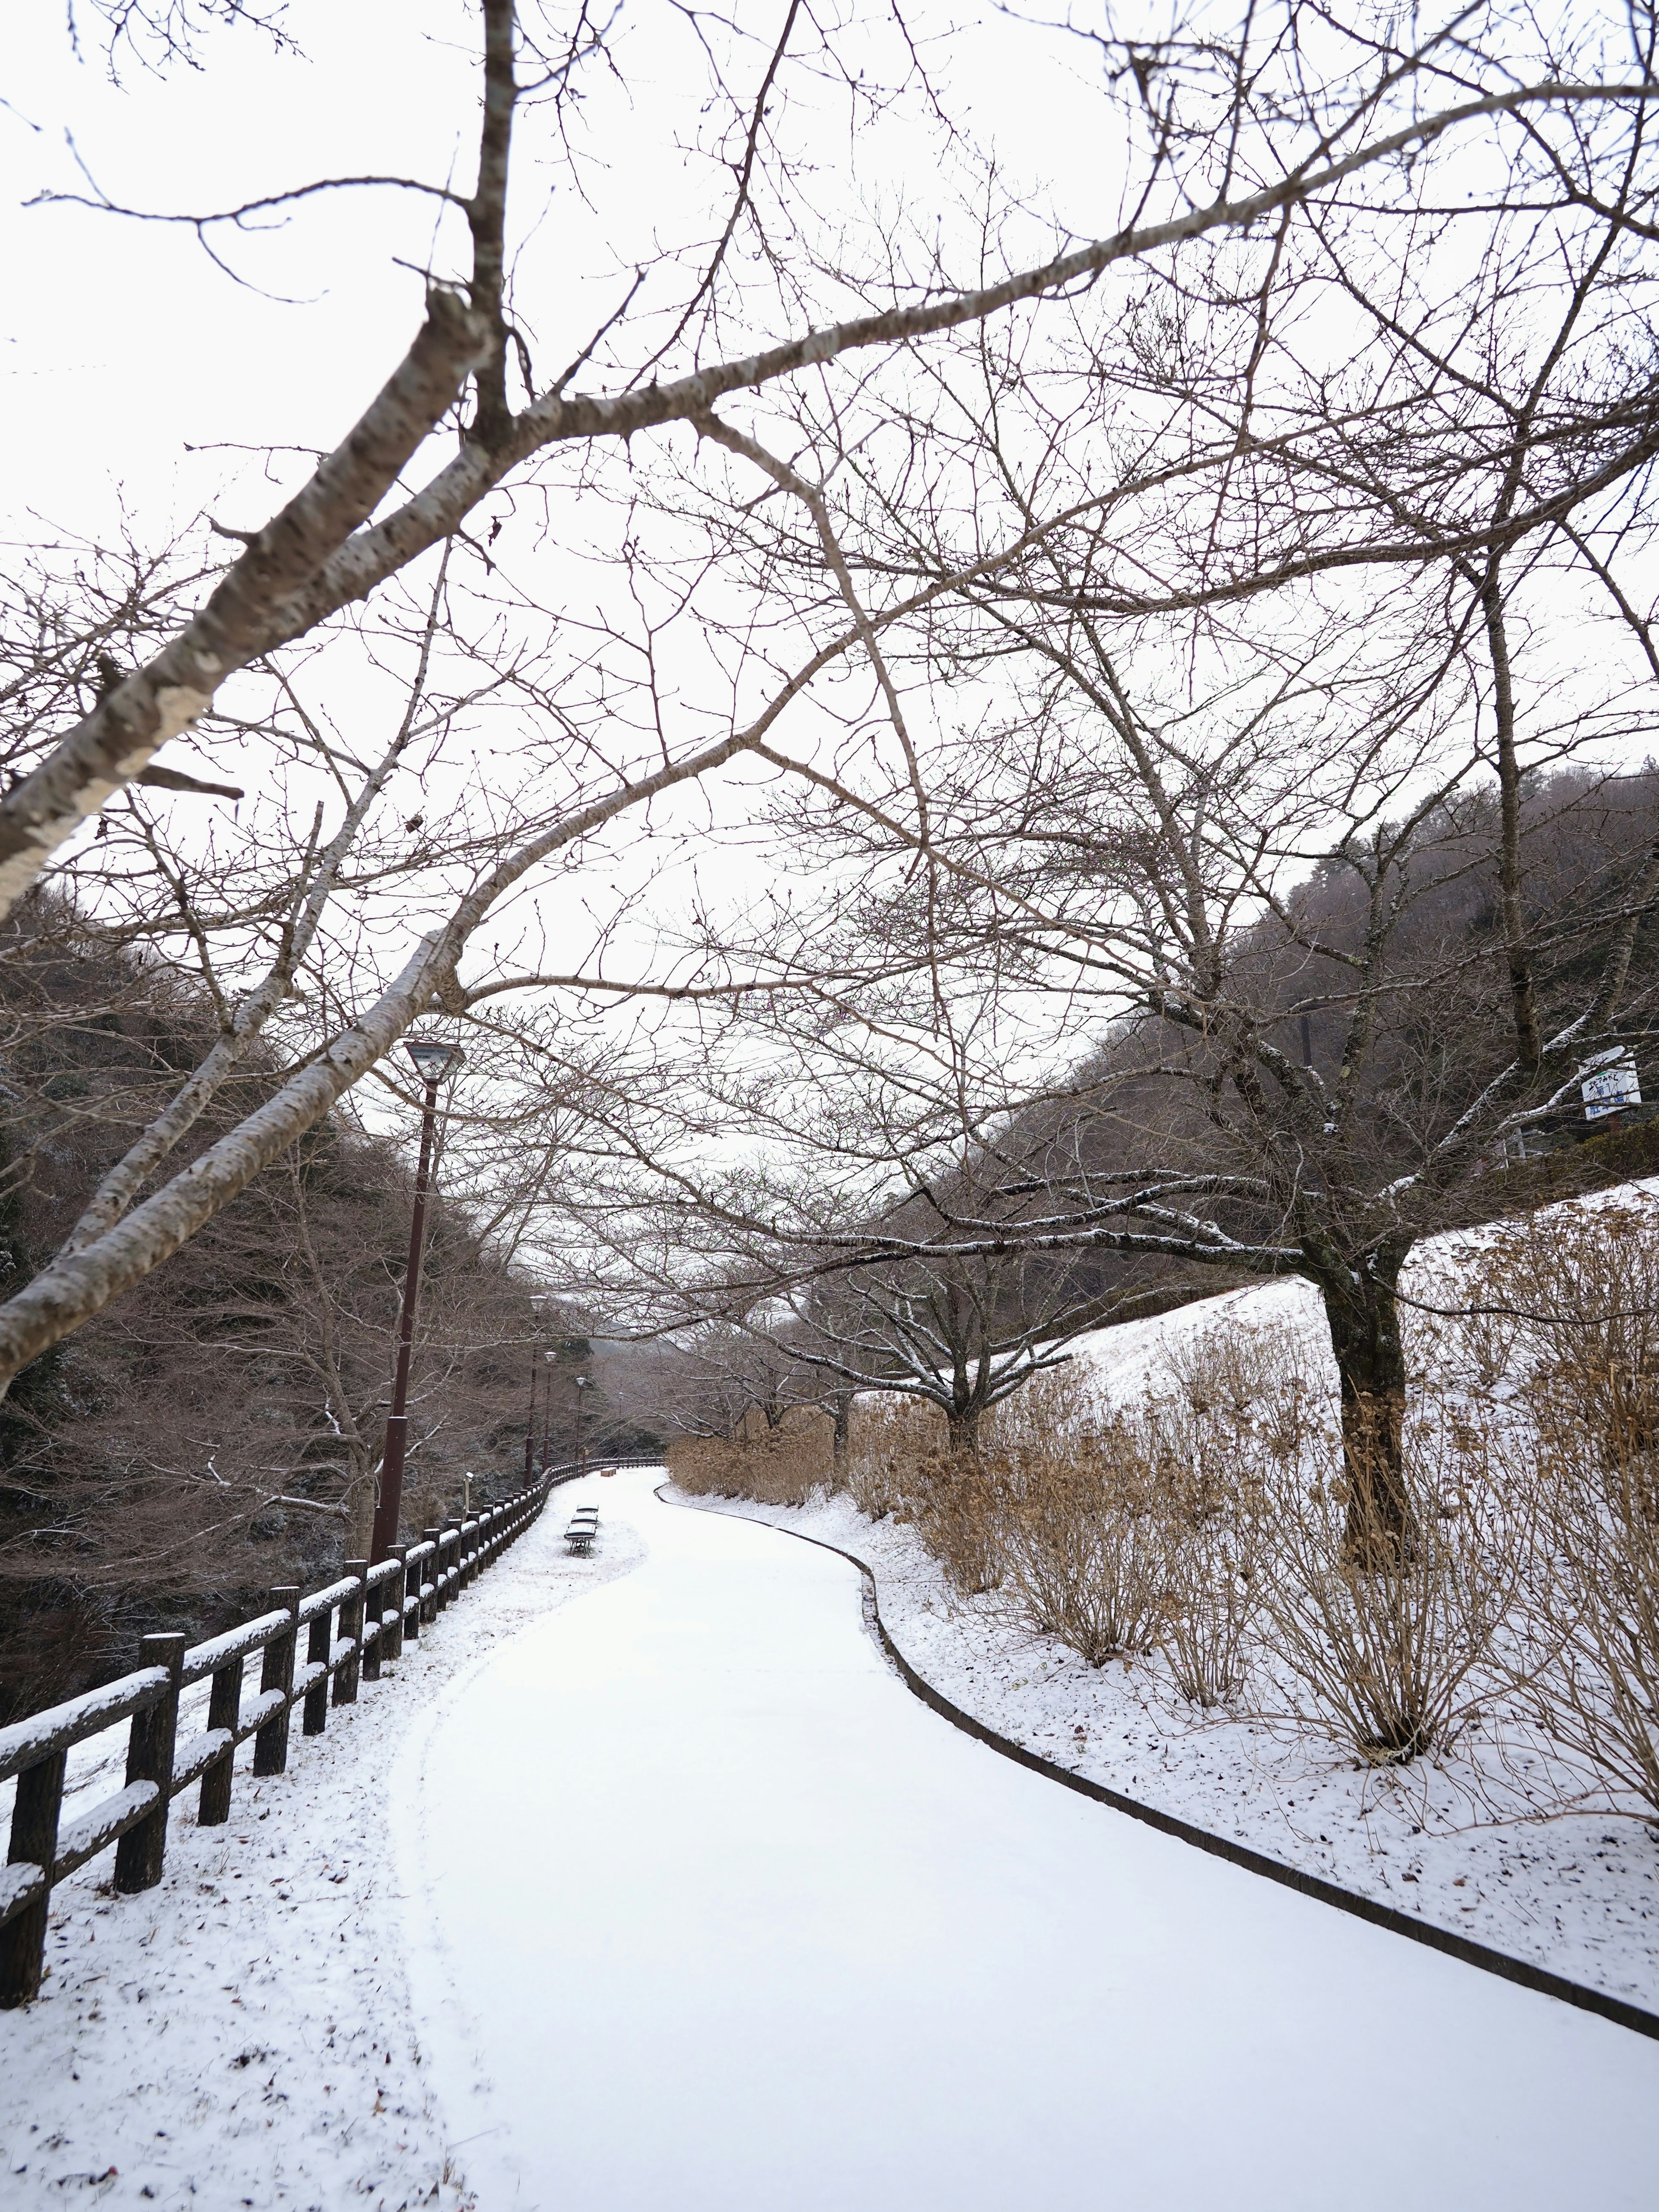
pixel 433 1060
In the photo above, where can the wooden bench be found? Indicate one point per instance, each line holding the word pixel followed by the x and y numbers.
pixel 583 1528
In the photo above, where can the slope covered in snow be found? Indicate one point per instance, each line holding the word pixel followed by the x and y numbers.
pixel 1475 1840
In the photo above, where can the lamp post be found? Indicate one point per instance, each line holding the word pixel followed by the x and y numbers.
pixel 433 1062
pixel 583 1384
pixel 549 1361
pixel 538 1308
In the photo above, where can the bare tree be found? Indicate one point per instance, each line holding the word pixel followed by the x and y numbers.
pixel 1287 154
pixel 1217 743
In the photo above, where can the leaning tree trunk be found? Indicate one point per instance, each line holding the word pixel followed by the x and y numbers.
pixel 1364 1319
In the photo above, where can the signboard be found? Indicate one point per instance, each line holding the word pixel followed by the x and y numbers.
pixel 1613 1086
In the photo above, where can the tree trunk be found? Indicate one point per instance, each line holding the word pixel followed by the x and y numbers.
pixel 963 1426
pixel 842 1405
pixel 1363 1320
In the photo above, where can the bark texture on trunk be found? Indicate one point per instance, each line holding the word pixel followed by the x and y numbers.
pixel 1364 1319
pixel 962 1423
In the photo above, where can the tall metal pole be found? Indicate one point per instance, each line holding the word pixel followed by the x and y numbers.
pixel 530 1431
pixel 388 1509
pixel 547 1409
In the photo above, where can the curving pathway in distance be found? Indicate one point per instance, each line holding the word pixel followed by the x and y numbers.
pixel 707 1913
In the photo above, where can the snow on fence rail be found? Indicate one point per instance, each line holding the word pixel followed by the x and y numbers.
pixel 351 1627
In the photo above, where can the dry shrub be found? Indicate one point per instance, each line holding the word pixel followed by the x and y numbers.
pixel 1060 1402
pixel 889 1439
pixel 1083 1539
pixel 959 1517
pixel 1235 1371
pixel 1596 1611
pixel 1587 1281
pixel 1126 1531
pixel 1392 1660
pixel 784 1466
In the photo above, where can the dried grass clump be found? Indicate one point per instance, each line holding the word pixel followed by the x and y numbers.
pixel 785 1466
pixel 889 1439
pixel 1393 1660
pixel 1083 1539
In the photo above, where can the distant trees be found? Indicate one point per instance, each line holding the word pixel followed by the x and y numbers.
pixel 219 1431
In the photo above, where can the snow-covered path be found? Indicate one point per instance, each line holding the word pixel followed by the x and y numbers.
pixel 707 1911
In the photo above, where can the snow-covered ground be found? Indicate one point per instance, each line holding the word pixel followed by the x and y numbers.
pixel 1577 1895
pixel 242 2035
pixel 708 1912
pixel 1472 1841
pixel 677 1897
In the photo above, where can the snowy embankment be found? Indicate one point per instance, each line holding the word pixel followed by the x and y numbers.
pixel 1473 1841
pixel 242 2035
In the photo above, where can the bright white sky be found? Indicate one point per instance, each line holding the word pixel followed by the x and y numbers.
pixel 140 375
pixel 145 383
pixel 127 347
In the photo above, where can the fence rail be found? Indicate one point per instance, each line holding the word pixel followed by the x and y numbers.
pixel 352 1627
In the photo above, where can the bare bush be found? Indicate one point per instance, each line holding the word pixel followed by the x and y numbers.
pixel 1583 1283
pixel 1596 1603
pixel 783 1466
pixel 1393 1660
pixel 888 1440
pixel 1212 1594
pixel 960 1517
pixel 1083 1539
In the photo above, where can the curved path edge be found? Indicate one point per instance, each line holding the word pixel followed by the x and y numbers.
pixel 1522 1971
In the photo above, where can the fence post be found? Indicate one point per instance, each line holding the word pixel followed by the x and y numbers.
pixel 270 1743
pixel 34 1839
pixel 451 1589
pixel 352 1610
pixel 320 1642
pixel 139 1854
pixel 429 1607
pixel 397 1588
pixel 369 1648
pixel 224 1711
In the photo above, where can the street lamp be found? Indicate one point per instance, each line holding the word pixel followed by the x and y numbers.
pixel 537 1309
pixel 433 1062
pixel 550 1359
pixel 584 1382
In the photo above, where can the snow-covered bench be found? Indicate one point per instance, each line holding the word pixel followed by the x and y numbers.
pixel 583 1528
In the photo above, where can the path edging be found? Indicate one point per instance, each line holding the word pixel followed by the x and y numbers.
pixel 1490 1961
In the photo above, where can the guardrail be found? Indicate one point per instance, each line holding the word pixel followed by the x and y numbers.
pixel 352 1627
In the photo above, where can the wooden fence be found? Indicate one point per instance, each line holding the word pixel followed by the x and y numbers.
pixel 351 1628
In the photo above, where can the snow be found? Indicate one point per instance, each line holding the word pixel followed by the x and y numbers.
pixel 1473 1842
pixel 705 1909
pixel 242 2035
pixel 678 1897
pixel 1576 1895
